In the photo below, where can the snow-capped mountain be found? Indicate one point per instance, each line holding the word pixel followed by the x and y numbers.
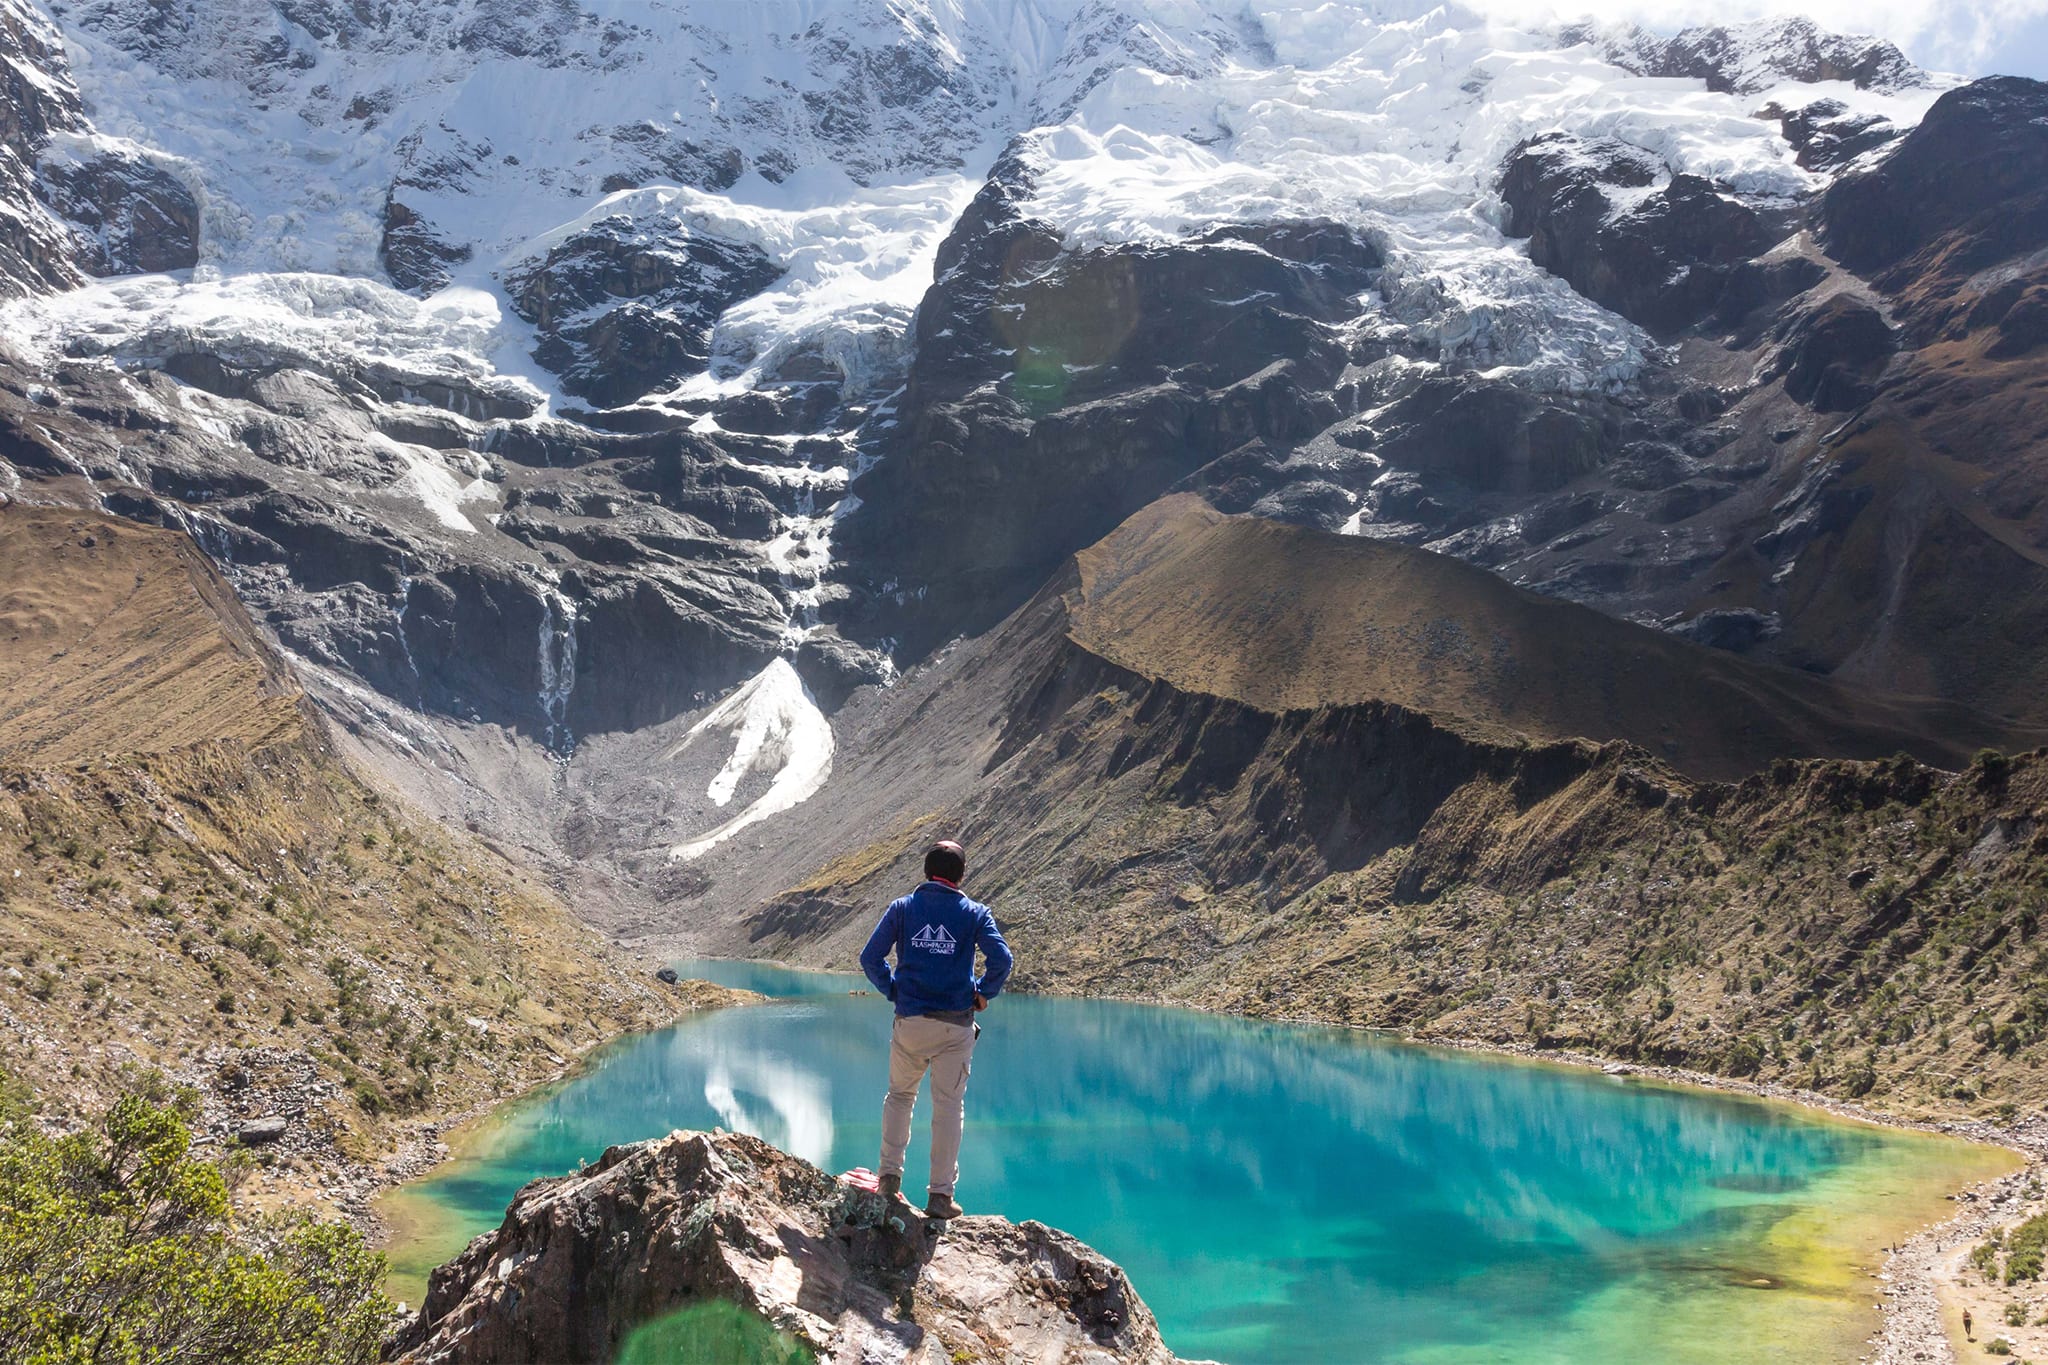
pixel 542 371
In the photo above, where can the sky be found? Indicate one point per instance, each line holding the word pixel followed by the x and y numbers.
pixel 1970 37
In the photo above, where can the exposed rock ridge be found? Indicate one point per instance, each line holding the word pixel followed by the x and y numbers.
pixel 1743 59
pixel 659 1226
pixel 1289 619
pixel 73 204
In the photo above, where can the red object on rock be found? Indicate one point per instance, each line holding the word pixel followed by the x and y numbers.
pixel 861 1178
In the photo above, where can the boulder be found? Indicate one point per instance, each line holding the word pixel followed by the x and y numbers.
pixel 695 1218
pixel 259 1132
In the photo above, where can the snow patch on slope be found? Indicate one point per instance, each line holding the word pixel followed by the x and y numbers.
pixel 853 272
pixel 329 323
pixel 428 481
pixel 776 729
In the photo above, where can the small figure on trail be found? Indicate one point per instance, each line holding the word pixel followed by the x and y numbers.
pixel 1966 1326
pixel 934 931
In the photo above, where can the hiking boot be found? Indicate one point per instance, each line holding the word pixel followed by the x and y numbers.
pixel 891 1186
pixel 941 1206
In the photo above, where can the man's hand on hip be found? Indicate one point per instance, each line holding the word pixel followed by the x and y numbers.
pixel 980 1002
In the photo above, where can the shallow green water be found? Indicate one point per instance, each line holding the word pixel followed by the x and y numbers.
pixel 1284 1194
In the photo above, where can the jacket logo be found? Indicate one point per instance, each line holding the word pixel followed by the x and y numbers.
pixel 933 938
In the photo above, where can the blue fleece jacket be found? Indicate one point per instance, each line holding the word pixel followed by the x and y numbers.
pixel 934 931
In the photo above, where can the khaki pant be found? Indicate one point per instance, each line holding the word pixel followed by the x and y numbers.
pixel 919 1044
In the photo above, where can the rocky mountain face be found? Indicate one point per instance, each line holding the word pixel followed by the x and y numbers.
pixel 75 204
pixel 1716 492
pixel 1754 58
pixel 603 405
pixel 654 1230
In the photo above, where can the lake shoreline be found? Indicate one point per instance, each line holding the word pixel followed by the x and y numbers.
pixel 1919 1299
pixel 1919 1296
pixel 451 1136
pixel 1913 1290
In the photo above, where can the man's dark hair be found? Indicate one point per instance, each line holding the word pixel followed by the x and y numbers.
pixel 946 859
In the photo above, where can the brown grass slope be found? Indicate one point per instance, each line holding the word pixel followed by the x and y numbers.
pixel 222 898
pixel 117 638
pixel 1286 618
pixel 1854 926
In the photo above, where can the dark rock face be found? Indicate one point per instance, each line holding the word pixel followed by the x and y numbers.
pixel 1490 437
pixel 1977 165
pixel 1661 257
pixel 37 98
pixel 620 584
pixel 1738 629
pixel 626 307
pixel 134 217
pixel 580 1261
pixel 1828 136
pixel 415 256
pixel 1053 392
pixel 1833 353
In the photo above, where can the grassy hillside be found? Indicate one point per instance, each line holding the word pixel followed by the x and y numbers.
pixel 1862 927
pixel 1285 618
pixel 220 897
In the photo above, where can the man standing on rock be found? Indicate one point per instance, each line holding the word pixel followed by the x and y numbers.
pixel 935 931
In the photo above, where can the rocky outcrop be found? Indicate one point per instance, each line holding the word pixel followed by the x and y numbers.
pixel 1743 59
pixel 1828 135
pixel 37 99
pixel 1976 166
pixel 663 1226
pixel 1832 354
pixel 417 257
pixel 626 305
pixel 1659 256
pixel 132 216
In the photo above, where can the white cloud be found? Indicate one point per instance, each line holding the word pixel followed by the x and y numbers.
pixel 1967 36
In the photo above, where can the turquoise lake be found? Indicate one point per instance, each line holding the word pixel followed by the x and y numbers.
pixel 1290 1194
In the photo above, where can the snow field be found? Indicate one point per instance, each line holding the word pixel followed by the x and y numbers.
pixel 775 729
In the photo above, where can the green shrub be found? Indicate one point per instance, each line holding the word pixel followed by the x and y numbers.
pixel 1984 1256
pixel 2024 1250
pixel 2016 1315
pixel 1744 1058
pixel 116 1245
pixel 1991 767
